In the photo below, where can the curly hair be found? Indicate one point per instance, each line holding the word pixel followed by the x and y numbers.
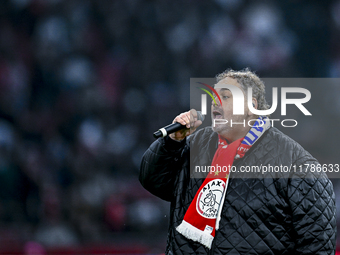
pixel 246 79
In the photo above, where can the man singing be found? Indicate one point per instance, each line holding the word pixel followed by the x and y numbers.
pixel 234 212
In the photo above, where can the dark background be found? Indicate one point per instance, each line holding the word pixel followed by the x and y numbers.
pixel 85 83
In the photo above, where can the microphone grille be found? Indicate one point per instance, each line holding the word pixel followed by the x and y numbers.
pixel 200 116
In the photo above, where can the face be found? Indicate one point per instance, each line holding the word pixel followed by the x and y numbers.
pixel 225 111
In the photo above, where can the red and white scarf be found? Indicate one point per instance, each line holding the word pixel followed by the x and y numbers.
pixel 204 213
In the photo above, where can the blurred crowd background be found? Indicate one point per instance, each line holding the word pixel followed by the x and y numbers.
pixel 85 83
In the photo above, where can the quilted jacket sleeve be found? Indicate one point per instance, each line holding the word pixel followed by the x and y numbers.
pixel 159 166
pixel 312 202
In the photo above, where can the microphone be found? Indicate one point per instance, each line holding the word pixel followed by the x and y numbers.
pixel 174 127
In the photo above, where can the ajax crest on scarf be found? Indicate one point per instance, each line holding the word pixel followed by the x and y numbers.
pixel 209 199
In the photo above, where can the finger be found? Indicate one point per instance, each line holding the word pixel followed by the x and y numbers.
pixel 180 120
pixel 193 114
pixel 186 118
pixel 197 124
pixel 193 117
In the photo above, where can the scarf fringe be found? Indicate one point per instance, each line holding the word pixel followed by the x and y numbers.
pixel 192 233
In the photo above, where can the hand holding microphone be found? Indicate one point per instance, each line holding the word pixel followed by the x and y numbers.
pixel 183 125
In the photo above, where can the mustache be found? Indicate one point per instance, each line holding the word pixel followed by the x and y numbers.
pixel 217 109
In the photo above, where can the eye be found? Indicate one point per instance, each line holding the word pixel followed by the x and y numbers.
pixel 225 97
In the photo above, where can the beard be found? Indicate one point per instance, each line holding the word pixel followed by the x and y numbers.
pixel 221 127
pixel 224 125
pixel 219 123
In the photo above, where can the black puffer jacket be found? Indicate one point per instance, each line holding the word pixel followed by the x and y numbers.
pixel 260 215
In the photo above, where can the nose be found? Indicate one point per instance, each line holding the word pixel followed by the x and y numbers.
pixel 215 102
